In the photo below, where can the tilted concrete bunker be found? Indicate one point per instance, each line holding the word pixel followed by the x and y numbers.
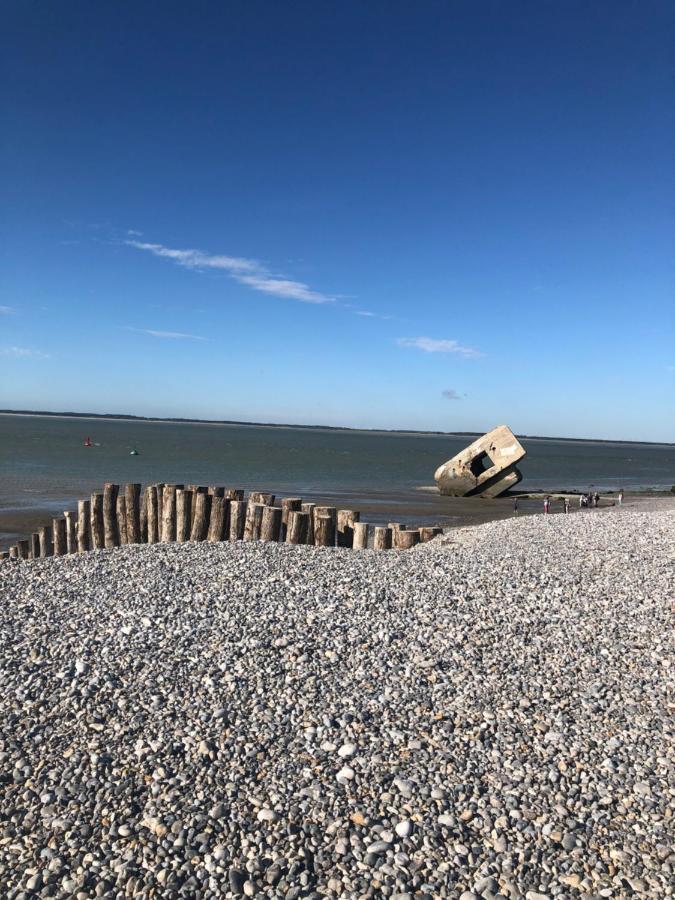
pixel 486 468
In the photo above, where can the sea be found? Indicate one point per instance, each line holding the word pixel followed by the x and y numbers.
pixel 44 465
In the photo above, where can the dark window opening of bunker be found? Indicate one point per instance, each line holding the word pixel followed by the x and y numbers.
pixel 480 464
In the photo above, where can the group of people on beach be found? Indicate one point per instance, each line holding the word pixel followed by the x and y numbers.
pixel 589 500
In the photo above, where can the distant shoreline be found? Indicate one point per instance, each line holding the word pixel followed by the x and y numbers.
pixel 123 417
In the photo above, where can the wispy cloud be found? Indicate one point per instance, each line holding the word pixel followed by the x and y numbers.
pixel 249 272
pixel 6 310
pixel 22 353
pixel 451 394
pixel 172 335
pixel 434 345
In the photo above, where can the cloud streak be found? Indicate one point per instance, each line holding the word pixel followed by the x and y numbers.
pixel 435 345
pixel 450 394
pixel 248 272
pixel 171 335
pixel 6 310
pixel 22 353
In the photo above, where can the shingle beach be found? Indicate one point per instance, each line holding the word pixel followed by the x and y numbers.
pixel 488 715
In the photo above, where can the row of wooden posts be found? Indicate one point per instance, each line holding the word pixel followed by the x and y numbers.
pixel 176 512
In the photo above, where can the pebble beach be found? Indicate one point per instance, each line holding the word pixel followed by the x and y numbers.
pixel 489 715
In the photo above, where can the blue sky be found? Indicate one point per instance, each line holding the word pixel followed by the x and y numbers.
pixel 440 215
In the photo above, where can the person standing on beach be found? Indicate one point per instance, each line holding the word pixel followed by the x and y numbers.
pixel 566 504
pixel 515 506
pixel 596 500
pixel 620 497
pixel 547 503
pixel 581 501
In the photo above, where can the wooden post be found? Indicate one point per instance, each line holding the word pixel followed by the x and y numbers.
pixel 83 526
pixel 218 519
pixel 395 526
pixel 200 517
pixel 23 549
pixel 330 511
pixel 309 509
pixel 237 519
pixel 324 531
pixel 253 521
pixel 14 552
pixel 382 538
pixel 97 529
pixel 111 532
pixel 143 517
pixel 71 532
pixel 233 494
pixel 429 532
pixel 46 548
pixel 132 496
pixel 360 536
pixel 297 527
pixel 196 489
pixel 160 509
pixel 183 515
pixel 288 504
pixel 152 513
pixel 345 526
pixel 169 513
pixel 121 509
pixel 34 546
pixel 59 536
pixel 270 527
pixel 404 539
pixel 216 491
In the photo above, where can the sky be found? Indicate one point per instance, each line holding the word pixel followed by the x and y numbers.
pixel 429 215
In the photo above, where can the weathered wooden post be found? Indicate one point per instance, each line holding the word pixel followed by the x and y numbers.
pixel 253 521
pixel 83 526
pixel 270 526
pixel 46 548
pixel 59 536
pixel 237 519
pixel 345 526
pixel 324 530
pixel 23 549
pixel 143 517
pixel 330 511
pixel 297 527
pixel 233 494
pixel 34 546
pixel 288 504
pixel 71 532
pixel 111 532
pixel 14 552
pixel 429 532
pixel 151 504
pixel 382 538
pixel 360 541
pixel 196 489
pixel 218 518
pixel 121 509
pixel 200 516
pixel 160 504
pixel 395 526
pixel 404 539
pixel 132 496
pixel 309 509
pixel 168 513
pixel 183 515
pixel 97 529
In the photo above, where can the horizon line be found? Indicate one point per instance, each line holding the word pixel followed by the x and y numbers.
pixel 186 420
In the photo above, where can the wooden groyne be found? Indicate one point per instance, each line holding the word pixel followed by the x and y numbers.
pixel 115 516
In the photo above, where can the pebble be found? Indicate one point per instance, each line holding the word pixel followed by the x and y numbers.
pixel 173 715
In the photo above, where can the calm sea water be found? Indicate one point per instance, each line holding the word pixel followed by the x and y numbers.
pixel 43 460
